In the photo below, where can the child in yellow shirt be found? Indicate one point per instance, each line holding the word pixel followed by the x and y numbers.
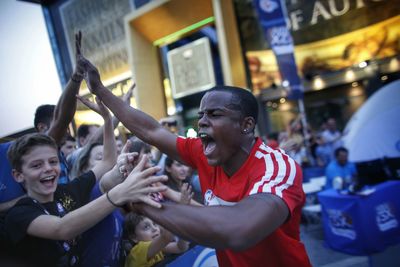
pixel 150 241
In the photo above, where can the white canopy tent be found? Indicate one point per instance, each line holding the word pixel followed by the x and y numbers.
pixel 373 132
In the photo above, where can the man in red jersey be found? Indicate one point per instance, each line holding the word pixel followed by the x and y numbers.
pixel 253 194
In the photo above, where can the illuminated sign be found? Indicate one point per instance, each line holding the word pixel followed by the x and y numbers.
pixel 191 68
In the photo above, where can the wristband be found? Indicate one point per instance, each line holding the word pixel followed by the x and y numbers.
pixel 109 199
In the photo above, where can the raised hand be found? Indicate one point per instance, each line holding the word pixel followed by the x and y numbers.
pixel 91 74
pixel 126 160
pixel 98 107
pixel 128 95
pixel 139 185
pixel 78 44
pixel 186 194
pixel 79 70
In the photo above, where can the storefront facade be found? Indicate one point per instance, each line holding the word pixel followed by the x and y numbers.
pixel 344 49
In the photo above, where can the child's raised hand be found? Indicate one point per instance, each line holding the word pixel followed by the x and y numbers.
pixel 128 95
pixel 97 107
pixel 186 194
pixel 126 160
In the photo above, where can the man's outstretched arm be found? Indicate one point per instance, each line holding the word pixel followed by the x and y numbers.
pixel 139 123
pixel 235 227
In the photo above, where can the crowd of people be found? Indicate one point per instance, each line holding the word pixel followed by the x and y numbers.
pixel 323 150
pixel 100 200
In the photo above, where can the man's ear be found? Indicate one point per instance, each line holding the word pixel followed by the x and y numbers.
pixel 248 125
pixel 18 176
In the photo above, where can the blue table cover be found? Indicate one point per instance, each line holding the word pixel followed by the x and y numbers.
pixel 362 225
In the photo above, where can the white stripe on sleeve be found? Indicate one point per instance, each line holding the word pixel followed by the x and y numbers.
pixel 281 174
pixel 290 180
pixel 269 170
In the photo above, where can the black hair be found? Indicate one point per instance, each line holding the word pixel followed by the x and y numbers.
pixel 172 183
pixel 340 149
pixel 66 138
pixel 242 100
pixel 168 163
pixel 70 138
pixel 43 114
pixel 83 130
pixel 131 221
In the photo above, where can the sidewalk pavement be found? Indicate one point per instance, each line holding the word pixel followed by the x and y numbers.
pixel 321 256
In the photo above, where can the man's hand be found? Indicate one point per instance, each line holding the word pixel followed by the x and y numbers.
pixel 91 74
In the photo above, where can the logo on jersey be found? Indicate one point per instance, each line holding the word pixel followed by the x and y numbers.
pixel 341 224
pixel 209 197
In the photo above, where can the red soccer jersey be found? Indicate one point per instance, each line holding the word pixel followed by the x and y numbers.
pixel 265 171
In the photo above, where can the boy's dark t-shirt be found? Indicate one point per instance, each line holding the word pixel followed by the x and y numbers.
pixel 40 251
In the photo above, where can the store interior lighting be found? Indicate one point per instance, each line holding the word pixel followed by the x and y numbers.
pixel 362 64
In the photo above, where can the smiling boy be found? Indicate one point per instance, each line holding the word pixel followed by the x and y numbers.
pixel 43 226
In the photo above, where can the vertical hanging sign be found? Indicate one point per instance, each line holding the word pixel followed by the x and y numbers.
pixel 272 19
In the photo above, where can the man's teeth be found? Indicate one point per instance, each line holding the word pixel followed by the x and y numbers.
pixel 202 135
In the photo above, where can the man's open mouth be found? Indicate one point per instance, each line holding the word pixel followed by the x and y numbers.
pixel 208 142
